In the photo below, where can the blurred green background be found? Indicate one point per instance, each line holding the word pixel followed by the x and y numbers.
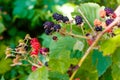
pixel 19 17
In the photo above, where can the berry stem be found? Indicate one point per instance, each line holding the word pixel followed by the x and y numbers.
pixel 82 30
pixel 71 28
pixel 76 36
pixel 33 63
pixel 94 43
pixel 86 20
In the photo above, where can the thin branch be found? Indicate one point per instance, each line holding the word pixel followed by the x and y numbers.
pixel 94 43
pixel 33 63
pixel 71 28
pixel 86 20
pixel 82 30
pixel 76 36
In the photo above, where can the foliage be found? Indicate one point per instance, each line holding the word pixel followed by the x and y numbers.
pixel 40 74
pixel 19 17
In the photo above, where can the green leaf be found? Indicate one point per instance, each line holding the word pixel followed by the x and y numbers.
pixel 116 71
pixel 86 75
pixel 2 78
pixel 5 63
pixel 58 76
pixel 2 28
pixel 109 46
pixel 102 62
pixel 63 43
pixel 51 3
pixel 2 49
pixel 60 53
pixel 79 45
pixel 92 8
pixel 117 31
pixel 62 60
pixel 118 1
pixel 116 64
pixel 39 74
pixel 87 71
pixel 46 40
pixel 25 9
pixel 13 31
pixel 76 54
pixel 107 75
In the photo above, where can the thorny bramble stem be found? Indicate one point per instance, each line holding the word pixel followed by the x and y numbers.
pixel 96 40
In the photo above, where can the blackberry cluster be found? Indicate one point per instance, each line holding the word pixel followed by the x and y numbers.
pixel 109 21
pixel 98 28
pixel 59 17
pixel 51 27
pixel 78 20
pixel 108 11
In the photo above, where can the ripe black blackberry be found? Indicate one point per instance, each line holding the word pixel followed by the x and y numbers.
pixel 48 31
pixel 48 25
pixel 46 64
pixel 78 20
pixel 108 11
pixel 57 16
pixel 56 27
pixel 98 28
pixel 26 47
pixel 65 19
pixel 109 21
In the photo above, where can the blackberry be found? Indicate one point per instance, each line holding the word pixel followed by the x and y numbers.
pixel 78 20
pixel 109 21
pixel 108 11
pixel 48 31
pixel 44 50
pixel 54 38
pixel 46 64
pixel 57 27
pixel 57 16
pixel 48 25
pixel 26 47
pixel 98 28
pixel 65 19
pixel 87 34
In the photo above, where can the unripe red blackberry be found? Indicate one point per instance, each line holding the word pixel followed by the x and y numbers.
pixel 44 51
